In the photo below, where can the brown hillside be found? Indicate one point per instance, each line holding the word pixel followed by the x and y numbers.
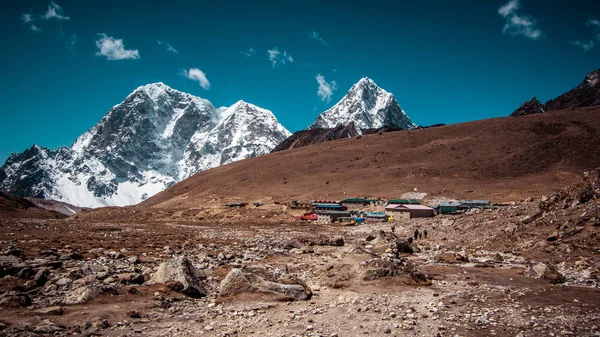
pixel 502 159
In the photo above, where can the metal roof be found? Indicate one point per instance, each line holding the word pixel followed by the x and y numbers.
pixel 415 207
pixel 354 200
pixel 474 201
pixel 448 204
pixel 403 201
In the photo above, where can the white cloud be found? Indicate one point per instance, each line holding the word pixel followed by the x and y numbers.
pixel 326 89
pixel 168 47
pixel 26 18
pixel 196 74
pixel 518 24
pixel 114 49
pixel 250 52
pixel 276 57
pixel 315 36
pixel 510 8
pixel 585 46
pixel 35 28
pixel 593 22
pixel 55 12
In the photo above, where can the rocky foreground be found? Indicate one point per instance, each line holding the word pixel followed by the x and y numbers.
pixel 528 269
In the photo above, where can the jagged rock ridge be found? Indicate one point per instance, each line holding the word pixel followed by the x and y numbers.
pixel 315 136
pixel 584 95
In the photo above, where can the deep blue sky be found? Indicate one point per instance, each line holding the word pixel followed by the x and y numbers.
pixel 445 61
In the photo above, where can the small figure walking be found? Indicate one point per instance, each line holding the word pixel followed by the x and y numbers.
pixel 393 228
pixel 416 234
pixel 425 234
pixel 421 235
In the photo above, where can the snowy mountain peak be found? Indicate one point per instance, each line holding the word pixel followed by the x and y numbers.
pixel 368 106
pixel 156 137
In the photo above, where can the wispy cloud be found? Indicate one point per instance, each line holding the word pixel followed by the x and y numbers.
pixel 593 22
pixel 315 36
pixel 55 12
pixel 114 49
pixel 26 18
pixel 326 89
pixel 72 41
pixel 35 28
pixel 276 57
pixel 518 24
pixel 198 75
pixel 250 52
pixel 585 46
pixel 168 47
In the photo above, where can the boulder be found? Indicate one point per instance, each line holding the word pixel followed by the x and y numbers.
pixel 404 247
pixel 88 292
pixel 450 257
pixel 378 268
pixel 180 269
pixel 53 310
pixel 537 270
pixel 15 300
pixel 239 281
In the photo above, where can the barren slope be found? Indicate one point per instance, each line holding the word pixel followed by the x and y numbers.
pixel 502 159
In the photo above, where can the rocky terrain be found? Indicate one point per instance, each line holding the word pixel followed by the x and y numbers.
pixel 530 268
pixel 586 94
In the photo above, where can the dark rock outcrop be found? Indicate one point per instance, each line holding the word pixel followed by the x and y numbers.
pixel 529 108
pixel 315 136
pixel 584 95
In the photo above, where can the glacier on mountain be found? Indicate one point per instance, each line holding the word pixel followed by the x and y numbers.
pixel 156 137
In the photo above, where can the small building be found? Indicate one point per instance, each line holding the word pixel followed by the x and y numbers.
pixel 324 218
pixel 331 216
pixel 376 217
pixel 409 211
pixel 475 203
pixel 403 202
pixel 328 207
pixel 351 220
pixel 358 202
pixel 353 202
pixel 309 216
pixel 449 207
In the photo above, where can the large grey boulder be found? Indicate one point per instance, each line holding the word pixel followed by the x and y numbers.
pixel 88 292
pixel 238 282
pixel 181 271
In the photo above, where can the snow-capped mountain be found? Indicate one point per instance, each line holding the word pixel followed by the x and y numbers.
pixel 368 106
pixel 156 137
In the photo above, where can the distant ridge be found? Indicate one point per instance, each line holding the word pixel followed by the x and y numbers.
pixel 584 95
